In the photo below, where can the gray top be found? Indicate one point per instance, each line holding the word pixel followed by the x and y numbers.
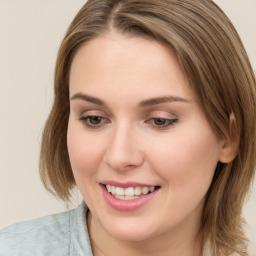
pixel 58 235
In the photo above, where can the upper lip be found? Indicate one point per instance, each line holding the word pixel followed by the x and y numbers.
pixel 126 184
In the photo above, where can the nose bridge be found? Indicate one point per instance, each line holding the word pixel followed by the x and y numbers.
pixel 123 151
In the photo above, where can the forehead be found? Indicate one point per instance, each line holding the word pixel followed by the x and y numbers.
pixel 120 63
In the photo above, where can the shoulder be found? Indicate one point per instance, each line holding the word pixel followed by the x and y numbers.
pixel 44 235
pixel 36 225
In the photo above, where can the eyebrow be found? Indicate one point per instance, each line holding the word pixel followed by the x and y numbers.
pixel 160 100
pixel 88 98
pixel 144 103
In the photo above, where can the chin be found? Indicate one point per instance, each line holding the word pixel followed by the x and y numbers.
pixel 137 235
pixel 130 230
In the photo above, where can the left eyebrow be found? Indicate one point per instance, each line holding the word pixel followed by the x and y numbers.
pixel 160 100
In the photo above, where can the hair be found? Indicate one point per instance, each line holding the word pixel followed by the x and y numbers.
pixel 216 65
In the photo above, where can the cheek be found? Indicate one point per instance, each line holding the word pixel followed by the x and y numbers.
pixel 84 153
pixel 187 160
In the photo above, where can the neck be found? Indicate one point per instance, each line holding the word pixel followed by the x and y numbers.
pixel 180 241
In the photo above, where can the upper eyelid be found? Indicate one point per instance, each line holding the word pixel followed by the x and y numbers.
pixel 164 107
pixel 80 106
pixel 92 113
pixel 162 114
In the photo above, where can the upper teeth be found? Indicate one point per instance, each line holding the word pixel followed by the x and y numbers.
pixel 130 191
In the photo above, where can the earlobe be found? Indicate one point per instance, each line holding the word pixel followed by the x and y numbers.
pixel 230 143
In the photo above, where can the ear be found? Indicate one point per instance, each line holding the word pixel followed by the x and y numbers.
pixel 230 143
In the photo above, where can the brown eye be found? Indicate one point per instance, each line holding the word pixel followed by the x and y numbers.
pixel 161 123
pixel 93 121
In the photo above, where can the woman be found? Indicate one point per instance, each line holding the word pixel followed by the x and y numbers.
pixel 154 121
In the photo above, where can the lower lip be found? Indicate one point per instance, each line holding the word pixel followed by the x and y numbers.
pixel 127 205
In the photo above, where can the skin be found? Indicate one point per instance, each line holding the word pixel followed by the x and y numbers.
pixel 128 144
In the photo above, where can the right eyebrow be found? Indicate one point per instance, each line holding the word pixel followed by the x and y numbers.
pixel 85 97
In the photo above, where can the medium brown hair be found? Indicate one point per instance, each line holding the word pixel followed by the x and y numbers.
pixel 217 67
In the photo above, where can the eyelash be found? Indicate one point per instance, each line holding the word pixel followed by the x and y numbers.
pixel 86 120
pixel 170 122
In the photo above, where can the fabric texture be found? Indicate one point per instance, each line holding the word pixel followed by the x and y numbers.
pixel 59 234
pixel 62 234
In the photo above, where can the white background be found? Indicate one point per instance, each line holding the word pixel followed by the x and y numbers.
pixel 30 34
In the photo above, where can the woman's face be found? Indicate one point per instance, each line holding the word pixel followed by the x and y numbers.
pixel 135 126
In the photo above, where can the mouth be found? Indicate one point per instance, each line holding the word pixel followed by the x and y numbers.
pixel 129 193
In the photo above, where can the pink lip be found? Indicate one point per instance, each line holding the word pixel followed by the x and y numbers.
pixel 125 184
pixel 126 205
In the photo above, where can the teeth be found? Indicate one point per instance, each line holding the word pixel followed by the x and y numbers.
pixel 151 189
pixel 145 190
pixel 113 190
pixel 126 197
pixel 137 191
pixel 129 193
pixel 119 191
pixel 108 188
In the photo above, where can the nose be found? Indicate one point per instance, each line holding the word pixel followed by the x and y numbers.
pixel 124 150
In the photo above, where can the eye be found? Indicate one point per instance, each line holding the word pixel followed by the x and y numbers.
pixel 93 121
pixel 162 123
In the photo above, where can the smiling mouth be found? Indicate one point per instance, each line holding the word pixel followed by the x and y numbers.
pixel 129 193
